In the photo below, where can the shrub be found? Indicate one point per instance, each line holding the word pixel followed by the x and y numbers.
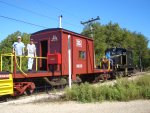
pixel 122 90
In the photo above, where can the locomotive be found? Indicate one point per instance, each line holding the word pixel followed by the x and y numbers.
pixel 121 61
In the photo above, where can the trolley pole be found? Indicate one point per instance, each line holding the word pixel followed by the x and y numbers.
pixel 89 23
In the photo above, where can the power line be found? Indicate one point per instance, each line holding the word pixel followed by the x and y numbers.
pixel 54 7
pixel 27 10
pixel 61 11
pixel 9 18
pixel 36 13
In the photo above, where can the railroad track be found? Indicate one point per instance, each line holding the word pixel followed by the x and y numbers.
pixel 47 90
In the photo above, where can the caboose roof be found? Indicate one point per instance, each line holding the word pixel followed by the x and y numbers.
pixel 60 29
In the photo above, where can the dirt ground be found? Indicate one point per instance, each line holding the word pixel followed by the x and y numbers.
pixel 37 104
pixel 138 106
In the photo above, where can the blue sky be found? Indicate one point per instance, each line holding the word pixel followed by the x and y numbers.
pixel 133 15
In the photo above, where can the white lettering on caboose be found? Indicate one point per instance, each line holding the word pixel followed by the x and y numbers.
pixel 78 43
pixel 79 65
pixel 54 38
pixel 4 76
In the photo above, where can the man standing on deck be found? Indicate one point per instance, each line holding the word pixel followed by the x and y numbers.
pixel 18 47
pixel 31 50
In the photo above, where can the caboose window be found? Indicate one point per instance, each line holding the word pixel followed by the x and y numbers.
pixel 82 54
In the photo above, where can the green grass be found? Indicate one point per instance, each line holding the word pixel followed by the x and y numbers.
pixel 122 90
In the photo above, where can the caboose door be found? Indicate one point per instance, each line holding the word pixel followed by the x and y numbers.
pixel 43 53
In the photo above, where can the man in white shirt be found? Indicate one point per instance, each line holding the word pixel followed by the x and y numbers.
pixel 31 50
pixel 18 47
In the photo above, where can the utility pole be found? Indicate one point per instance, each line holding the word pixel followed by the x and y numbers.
pixel 140 59
pixel 89 23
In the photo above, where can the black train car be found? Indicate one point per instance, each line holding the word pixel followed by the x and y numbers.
pixel 121 60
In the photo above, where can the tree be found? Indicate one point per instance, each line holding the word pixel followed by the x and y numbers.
pixel 112 35
pixel 6 47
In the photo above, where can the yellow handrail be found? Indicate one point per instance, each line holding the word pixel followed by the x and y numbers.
pixel 20 67
pixel 108 61
pixel 12 64
pixel 108 65
pixel 1 62
pixel 100 64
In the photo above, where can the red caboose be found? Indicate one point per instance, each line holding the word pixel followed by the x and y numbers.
pixel 52 64
pixel 53 44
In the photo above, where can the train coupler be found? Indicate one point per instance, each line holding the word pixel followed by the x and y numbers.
pixel 23 87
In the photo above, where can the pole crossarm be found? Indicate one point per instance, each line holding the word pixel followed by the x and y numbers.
pixel 90 21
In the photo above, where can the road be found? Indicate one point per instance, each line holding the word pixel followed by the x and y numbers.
pixel 138 106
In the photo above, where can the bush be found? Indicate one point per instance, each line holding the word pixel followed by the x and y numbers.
pixel 122 90
pixel 144 84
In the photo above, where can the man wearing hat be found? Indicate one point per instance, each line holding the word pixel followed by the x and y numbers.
pixel 18 47
pixel 31 50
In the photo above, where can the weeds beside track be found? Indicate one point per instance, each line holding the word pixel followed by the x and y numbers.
pixel 122 90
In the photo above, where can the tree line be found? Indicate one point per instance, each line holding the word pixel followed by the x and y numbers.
pixel 6 47
pixel 112 35
pixel 105 36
